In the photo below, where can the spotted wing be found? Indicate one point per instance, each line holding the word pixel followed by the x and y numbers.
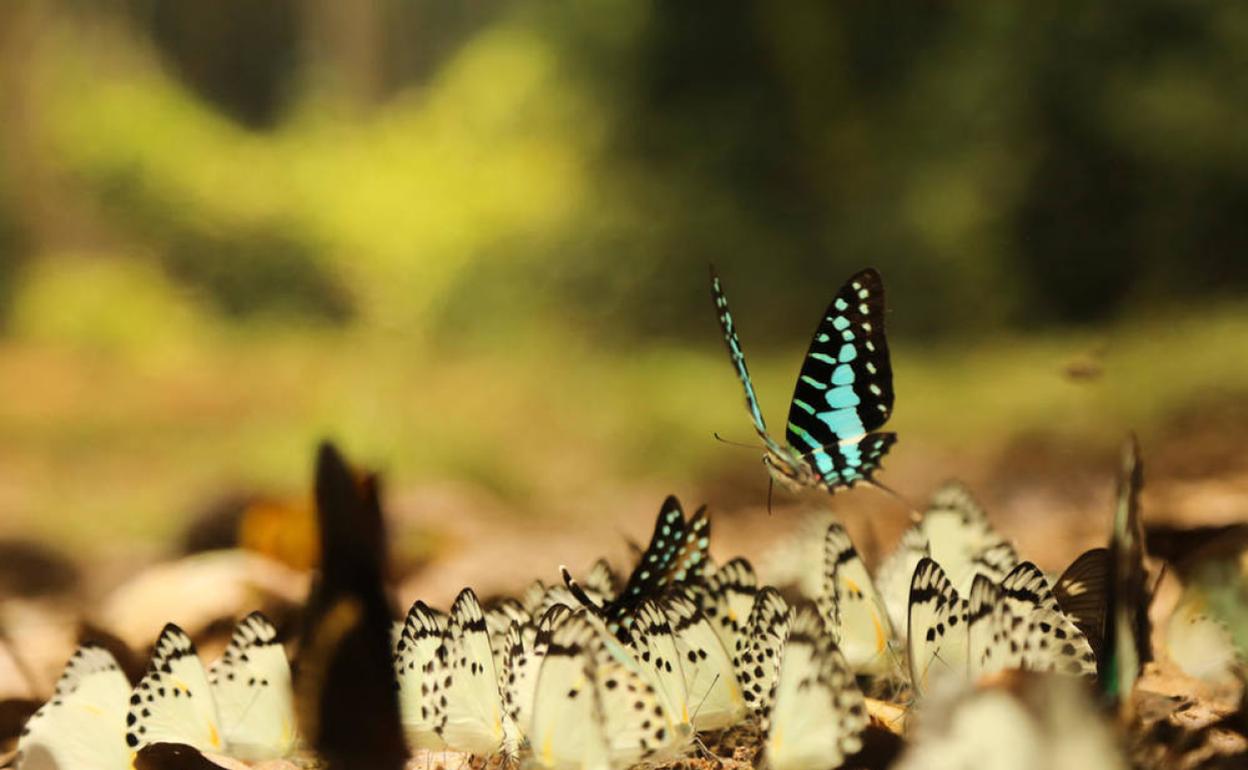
pixel 710 679
pixel 757 655
pixel 818 713
pixel 82 726
pixel 252 687
pixel 677 553
pixel 937 627
pixel 470 716
pixel 415 664
pixel 855 609
pixel 173 702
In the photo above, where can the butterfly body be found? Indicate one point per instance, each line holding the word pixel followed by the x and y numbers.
pixel 843 393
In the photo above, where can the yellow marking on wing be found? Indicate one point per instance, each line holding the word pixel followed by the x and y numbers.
pixel 881 640
pixel 548 751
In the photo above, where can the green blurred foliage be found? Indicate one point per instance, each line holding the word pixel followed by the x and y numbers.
pixel 1004 166
pixel 473 237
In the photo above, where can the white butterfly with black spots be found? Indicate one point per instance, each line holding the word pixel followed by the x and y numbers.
pixel 726 597
pixel 251 686
pixel 818 713
pixel 415 654
pixel 82 726
pixel 757 655
pixel 1017 624
pixel 594 709
pixel 710 680
pixel 853 608
pixel 936 636
pixel 467 702
pixel 173 702
pixel 955 532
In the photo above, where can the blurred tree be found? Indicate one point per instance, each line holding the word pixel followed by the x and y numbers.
pixel 237 54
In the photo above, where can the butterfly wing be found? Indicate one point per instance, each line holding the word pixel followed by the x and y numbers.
pixel 470 716
pixel 173 702
pixel 729 329
pixel 1082 592
pixel 568 726
pixel 860 620
pixel 936 638
pixel 677 553
pixel 962 540
pixel 845 388
pixel 818 713
pixel 521 662
pixel 414 662
pixel 653 644
pixel 726 599
pixel 757 654
pixel 988 647
pixel 251 685
pixel 710 680
pixel 82 727
pixel 1128 631
pixel 894 574
pixel 601 580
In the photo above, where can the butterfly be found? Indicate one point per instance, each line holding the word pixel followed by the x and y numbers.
pixel 82 726
pixel 844 391
pixel 592 708
pixel 1127 642
pixel 345 700
pixel 756 657
pixel 522 658
pixel 936 634
pixel 414 655
pixel 251 686
pixel 173 702
pixel 853 607
pixel 710 679
pixel 1081 592
pixel 467 701
pixel 1018 624
pixel 677 553
pixel 955 532
pixel 726 597
pixel 818 713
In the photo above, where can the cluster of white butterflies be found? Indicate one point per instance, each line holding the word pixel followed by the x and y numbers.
pixel 240 706
pixel 585 674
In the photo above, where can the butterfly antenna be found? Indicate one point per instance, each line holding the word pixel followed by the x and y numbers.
pixel 771 485
pixel 704 697
pixel 577 591
pixel 914 512
pixel 723 440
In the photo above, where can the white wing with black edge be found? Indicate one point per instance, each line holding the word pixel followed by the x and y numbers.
pixel 415 661
pixel 82 726
pixel 710 679
pixel 937 633
pixel 818 713
pixel 251 685
pixel 853 607
pixel 173 702
pixel 469 706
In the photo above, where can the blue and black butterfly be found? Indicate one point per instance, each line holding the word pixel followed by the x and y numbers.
pixel 677 554
pixel 843 393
